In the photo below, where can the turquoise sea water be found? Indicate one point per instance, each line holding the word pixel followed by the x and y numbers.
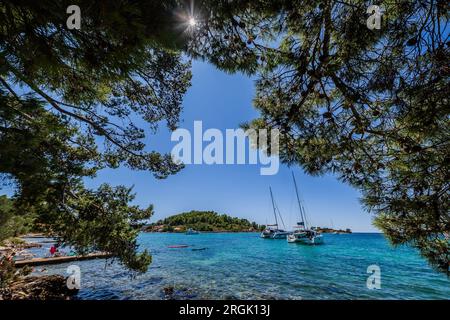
pixel 244 266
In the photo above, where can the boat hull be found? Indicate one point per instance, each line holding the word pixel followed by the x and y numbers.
pixel 266 236
pixel 280 235
pixel 306 240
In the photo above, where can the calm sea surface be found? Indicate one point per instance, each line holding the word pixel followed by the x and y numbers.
pixel 244 266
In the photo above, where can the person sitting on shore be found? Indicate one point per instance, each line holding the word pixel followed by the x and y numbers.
pixel 11 257
pixel 53 250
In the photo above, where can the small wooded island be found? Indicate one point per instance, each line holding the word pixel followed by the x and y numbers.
pixel 210 221
pixel 331 230
pixel 206 221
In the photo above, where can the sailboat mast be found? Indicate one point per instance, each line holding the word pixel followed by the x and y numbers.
pixel 302 215
pixel 281 217
pixel 274 209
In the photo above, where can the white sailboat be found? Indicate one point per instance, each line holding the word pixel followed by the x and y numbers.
pixel 191 231
pixel 307 236
pixel 303 234
pixel 272 231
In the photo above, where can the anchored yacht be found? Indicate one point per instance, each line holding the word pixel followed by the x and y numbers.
pixel 272 231
pixel 303 234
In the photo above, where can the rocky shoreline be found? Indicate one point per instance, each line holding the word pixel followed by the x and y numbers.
pixel 48 287
pixel 22 286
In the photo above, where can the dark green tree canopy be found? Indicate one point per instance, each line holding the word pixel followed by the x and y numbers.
pixel 371 106
pixel 76 101
pixel 120 65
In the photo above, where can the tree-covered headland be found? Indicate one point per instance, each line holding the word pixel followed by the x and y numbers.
pixel 207 221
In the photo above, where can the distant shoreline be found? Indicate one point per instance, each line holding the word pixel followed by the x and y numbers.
pixel 172 232
pixel 183 232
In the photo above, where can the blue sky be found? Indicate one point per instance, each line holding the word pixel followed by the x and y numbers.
pixel 224 101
